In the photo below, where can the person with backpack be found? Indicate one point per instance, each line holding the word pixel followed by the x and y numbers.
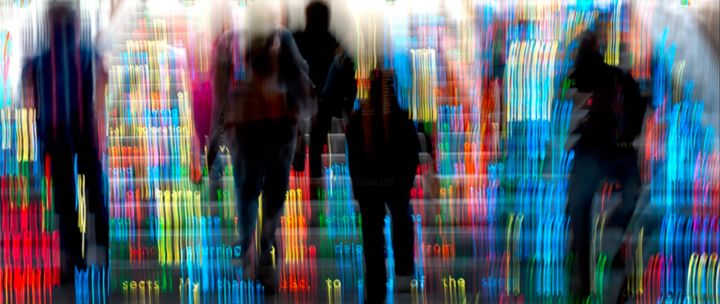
pixel 259 111
pixel 382 155
pixel 603 152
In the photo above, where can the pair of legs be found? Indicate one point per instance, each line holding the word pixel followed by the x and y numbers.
pixel 261 155
pixel 372 211
pixel 589 171
pixel 65 196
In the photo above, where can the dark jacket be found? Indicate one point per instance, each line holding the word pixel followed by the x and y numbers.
pixel 616 108
pixel 341 87
pixel 61 81
pixel 319 51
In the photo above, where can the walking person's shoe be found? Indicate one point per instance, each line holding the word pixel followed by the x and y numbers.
pixel 267 272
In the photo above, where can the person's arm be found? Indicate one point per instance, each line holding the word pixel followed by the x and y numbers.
pixel 292 52
pixel 101 81
pixel 635 106
pixel 89 111
pixel 348 83
pixel 94 79
pixel 220 72
pixel 341 86
pixel 295 71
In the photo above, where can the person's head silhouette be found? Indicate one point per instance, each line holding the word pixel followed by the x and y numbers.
pixel 587 62
pixel 589 47
pixel 63 23
pixel 317 17
pixel 262 44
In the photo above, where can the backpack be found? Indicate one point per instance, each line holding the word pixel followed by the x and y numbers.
pixel 230 84
pixel 244 100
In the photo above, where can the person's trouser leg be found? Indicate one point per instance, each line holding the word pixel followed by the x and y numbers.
pixel 64 195
pixel 279 149
pixel 95 200
pixel 318 138
pixel 373 215
pixel 276 170
pixel 247 173
pixel 215 180
pixel 628 174
pixel 403 239
pixel 299 156
pixel 583 181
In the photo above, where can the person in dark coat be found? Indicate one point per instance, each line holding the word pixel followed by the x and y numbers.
pixel 382 156
pixel 604 151
pixel 61 81
pixel 318 46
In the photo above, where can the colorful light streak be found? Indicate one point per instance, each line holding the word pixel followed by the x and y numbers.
pixel 424 81
pixel 29 252
pixel 92 285
pixel 497 142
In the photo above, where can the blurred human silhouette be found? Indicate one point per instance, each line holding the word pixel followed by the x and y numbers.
pixel 382 152
pixel 259 112
pixel 219 23
pixel 318 46
pixel 60 81
pixel 604 151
